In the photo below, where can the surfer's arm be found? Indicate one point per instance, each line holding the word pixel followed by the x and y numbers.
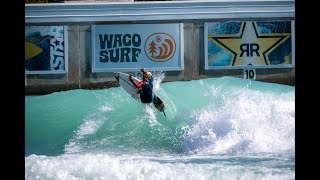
pixel 135 84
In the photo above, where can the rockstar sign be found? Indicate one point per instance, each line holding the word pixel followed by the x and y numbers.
pixel 249 43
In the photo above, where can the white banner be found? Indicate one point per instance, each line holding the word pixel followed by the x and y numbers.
pixel 128 47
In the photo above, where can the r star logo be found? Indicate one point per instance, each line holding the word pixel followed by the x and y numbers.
pixel 248 47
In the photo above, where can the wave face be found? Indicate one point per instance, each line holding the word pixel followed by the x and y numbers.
pixel 214 128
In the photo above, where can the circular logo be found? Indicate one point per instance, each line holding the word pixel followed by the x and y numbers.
pixel 160 47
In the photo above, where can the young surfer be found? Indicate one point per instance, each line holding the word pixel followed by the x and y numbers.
pixel 145 86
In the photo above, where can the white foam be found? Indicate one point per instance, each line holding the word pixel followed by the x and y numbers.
pixel 105 108
pixel 158 78
pixel 91 124
pixel 248 121
pixel 150 115
pixel 103 166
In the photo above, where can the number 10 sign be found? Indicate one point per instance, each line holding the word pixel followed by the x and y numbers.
pixel 249 74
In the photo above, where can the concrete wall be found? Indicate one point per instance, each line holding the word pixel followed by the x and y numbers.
pixel 79 73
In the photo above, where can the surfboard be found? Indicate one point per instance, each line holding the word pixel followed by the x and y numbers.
pixel 126 84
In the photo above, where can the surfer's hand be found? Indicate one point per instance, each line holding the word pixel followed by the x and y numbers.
pixel 143 70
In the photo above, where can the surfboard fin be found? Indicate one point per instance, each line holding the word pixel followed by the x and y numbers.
pixel 164 113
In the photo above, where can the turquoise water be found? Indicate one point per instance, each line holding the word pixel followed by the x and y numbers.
pixel 224 128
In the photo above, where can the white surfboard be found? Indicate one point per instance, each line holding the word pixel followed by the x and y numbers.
pixel 126 84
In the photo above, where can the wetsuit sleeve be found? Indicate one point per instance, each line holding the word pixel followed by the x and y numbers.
pixel 135 84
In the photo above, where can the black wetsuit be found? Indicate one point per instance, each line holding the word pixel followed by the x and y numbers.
pixel 146 91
